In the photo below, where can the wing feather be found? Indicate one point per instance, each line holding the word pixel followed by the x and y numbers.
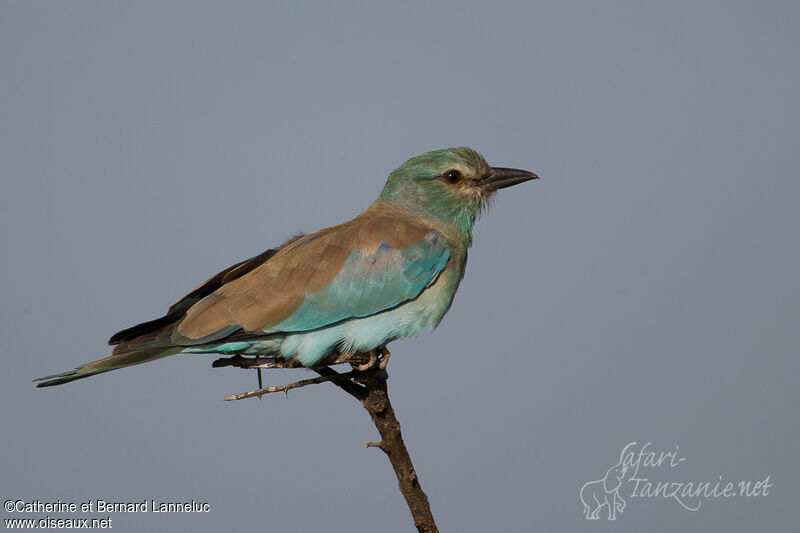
pixel 360 268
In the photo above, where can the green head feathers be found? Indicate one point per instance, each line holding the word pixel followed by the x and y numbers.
pixel 448 187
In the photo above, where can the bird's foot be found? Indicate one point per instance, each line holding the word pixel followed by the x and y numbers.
pixel 378 359
pixel 369 365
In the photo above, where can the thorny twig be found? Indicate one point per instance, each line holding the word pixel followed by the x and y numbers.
pixel 370 388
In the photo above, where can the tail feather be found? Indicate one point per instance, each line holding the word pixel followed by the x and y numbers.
pixel 123 357
pixel 153 340
pixel 66 377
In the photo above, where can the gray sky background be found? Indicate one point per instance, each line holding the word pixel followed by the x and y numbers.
pixel 646 289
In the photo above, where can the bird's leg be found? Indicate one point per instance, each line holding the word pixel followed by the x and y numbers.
pixel 258 370
pixel 373 360
pixel 386 354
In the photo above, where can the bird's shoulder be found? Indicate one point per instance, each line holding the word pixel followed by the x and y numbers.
pixel 366 232
pixel 398 255
pixel 311 262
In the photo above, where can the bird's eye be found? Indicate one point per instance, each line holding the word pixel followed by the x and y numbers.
pixel 452 176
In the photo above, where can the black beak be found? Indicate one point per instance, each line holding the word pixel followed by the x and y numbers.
pixel 500 178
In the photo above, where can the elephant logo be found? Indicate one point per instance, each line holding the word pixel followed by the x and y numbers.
pixel 604 493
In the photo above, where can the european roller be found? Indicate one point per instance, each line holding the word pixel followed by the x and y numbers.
pixel 389 273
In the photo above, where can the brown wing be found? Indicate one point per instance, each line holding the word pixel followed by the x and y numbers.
pixel 179 308
pixel 275 289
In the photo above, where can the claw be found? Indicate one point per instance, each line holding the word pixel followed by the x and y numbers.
pixel 385 359
pixel 373 358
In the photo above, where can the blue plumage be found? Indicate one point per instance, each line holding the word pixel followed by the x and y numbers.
pixel 389 273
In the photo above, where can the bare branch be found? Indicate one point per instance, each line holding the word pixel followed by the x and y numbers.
pixel 239 361
pixel 286 388
pixel 348 385
pixel 377 404
pixel 370 388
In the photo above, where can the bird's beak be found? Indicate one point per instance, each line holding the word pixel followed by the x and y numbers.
pixel 500 178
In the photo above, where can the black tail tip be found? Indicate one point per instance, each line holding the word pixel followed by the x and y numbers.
pixel 60 379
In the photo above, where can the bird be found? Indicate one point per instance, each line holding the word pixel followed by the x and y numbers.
pixel 389 273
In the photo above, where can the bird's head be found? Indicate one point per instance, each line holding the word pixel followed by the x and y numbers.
pixel 451 186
